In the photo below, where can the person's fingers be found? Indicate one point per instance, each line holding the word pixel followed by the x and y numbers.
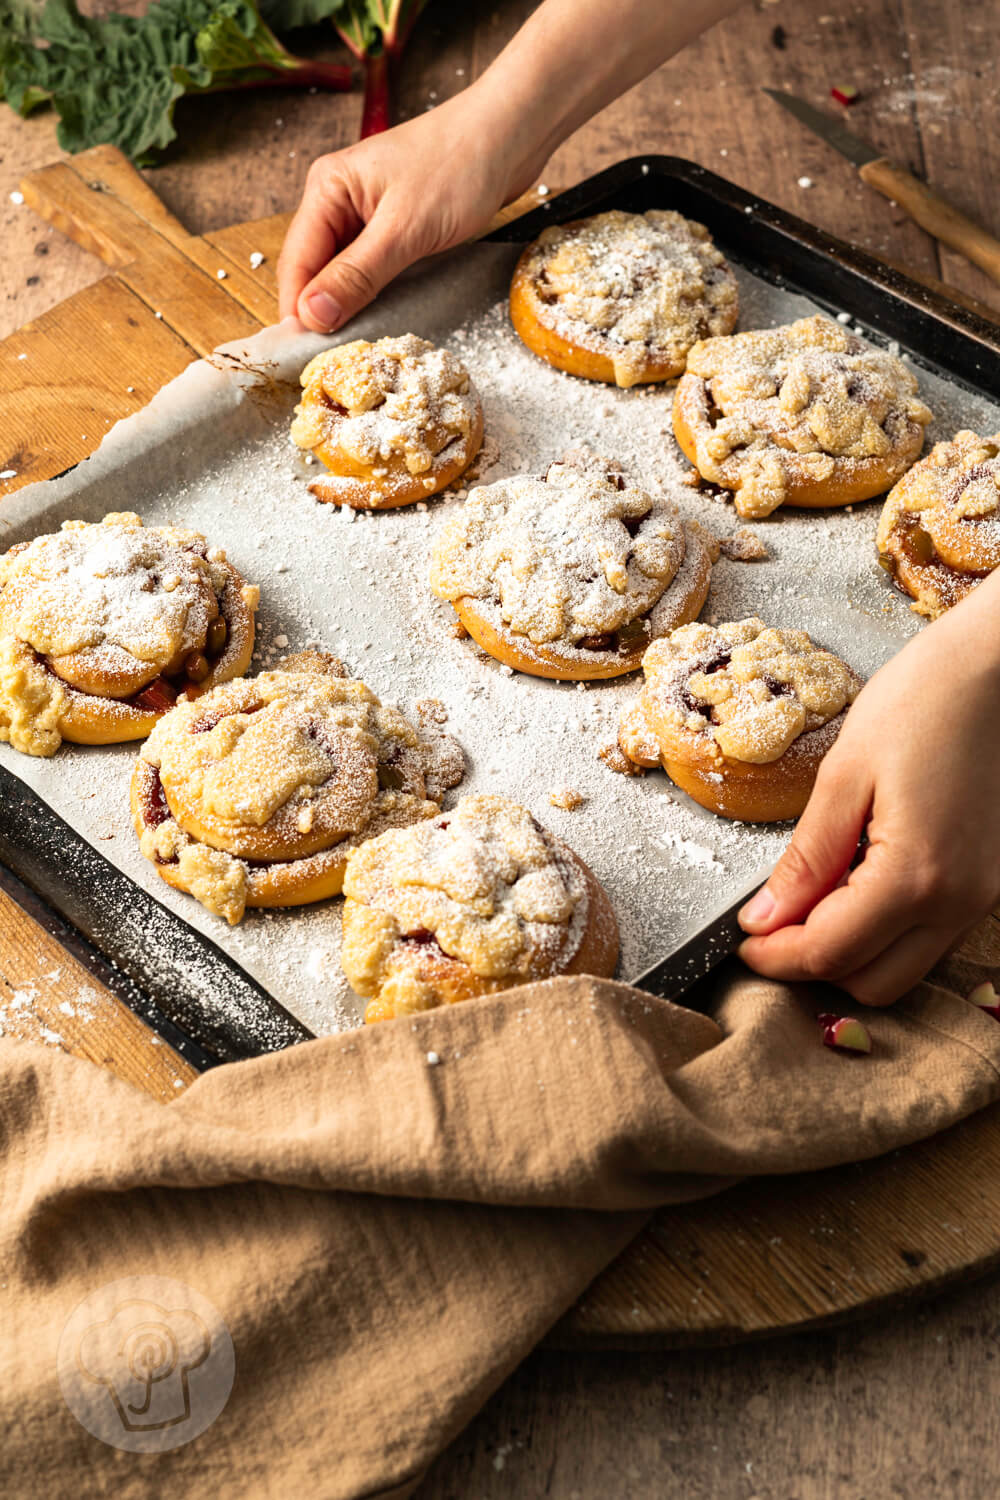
pixel 325 221
pixel 848 929
pixel 820 853
pixel 352 278
pixel 302 253
pixel 903 964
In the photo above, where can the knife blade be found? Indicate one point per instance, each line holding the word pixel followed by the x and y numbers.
pixel 706 943
pixel 835 134
pixel 926 207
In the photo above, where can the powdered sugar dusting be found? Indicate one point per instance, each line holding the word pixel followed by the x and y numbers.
pixel 357 586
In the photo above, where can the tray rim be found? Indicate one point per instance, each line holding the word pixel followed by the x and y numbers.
pixel 582 198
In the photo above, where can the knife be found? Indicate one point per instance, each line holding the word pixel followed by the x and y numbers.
pixel 705 944
pixel 932 212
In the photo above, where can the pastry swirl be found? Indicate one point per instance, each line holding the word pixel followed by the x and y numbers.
pixel 739 716
pixel 939 532
pixel 807 414
pixel 103 625
pixel 394 421
pixel 572 574
pixel 256 794
pixel 622 297
pixel 470 903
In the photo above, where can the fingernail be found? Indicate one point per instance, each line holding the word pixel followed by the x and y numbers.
pixel 758 908
pixel 324 310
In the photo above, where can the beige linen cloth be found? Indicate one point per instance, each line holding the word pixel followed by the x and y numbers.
pixel 385 1237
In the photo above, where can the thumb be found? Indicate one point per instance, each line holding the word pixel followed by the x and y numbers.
pixel 353 278
pixel 823 845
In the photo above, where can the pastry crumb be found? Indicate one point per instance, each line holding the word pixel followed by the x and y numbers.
pixel 459 631
pixel 323 662
pixel 743 546
pixel 615 759
pixel 566 798
pixel 431 711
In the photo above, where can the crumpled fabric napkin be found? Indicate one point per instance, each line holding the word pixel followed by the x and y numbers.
pixel 371 1240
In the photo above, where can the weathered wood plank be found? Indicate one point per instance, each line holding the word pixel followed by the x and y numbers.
pixel 955 105
pixel 65 377
pixel 105 169
pixel 47 996
pixel 176 276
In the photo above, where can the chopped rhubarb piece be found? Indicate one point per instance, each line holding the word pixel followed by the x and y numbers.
pixel 846 95
pixel 155 806
pixel 846 1035
pixel 985 996
pixel 157 697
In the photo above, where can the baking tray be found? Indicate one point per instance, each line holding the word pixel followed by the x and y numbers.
pixel 174 976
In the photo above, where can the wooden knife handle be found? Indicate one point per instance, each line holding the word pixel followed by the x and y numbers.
pixel 935 214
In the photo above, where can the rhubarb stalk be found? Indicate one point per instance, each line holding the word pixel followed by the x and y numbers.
pixel 376 32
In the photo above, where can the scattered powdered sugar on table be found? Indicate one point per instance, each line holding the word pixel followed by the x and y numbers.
pixel 356 585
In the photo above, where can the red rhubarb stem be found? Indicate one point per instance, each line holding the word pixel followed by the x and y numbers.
pixel 376 113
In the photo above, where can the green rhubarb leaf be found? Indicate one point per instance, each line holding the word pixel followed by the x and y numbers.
pixel 118 79
pixel 364 24
pixel 289 15
pixel 359 25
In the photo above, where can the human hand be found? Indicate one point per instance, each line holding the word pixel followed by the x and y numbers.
pixel 917 767
pixel 373 209
pixel 370 211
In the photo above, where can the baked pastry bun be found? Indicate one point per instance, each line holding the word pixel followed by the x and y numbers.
pixel 622 297
pixel 939 533
pixel 393 421
pixel 103 626
pixel 476 901
pixel 807 414
pixel 739 716
pixel 571 574
pixel 256 794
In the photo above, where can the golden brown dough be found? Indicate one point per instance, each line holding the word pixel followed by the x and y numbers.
pixel 476 901
pixel 103 626
pixel 622 297
pixel 256 794
pixel 939 533
pixel 571 575
pixel 807 414
pixel 739 716
pixel 394 421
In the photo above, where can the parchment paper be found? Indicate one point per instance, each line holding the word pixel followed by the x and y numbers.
pixel 211 451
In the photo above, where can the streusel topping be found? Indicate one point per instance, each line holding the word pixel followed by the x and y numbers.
pixel 578 553
pixel 955 495
pixel 290 765
pixel 298 754
pixel 751 689
pixel 811 392
pixel 118 590
pixel 633 285
pixel 397 399
pixel 485 881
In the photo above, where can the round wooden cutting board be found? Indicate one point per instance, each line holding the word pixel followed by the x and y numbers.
pixel 770 1256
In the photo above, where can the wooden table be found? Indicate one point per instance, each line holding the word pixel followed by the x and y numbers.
pixel 897 1407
